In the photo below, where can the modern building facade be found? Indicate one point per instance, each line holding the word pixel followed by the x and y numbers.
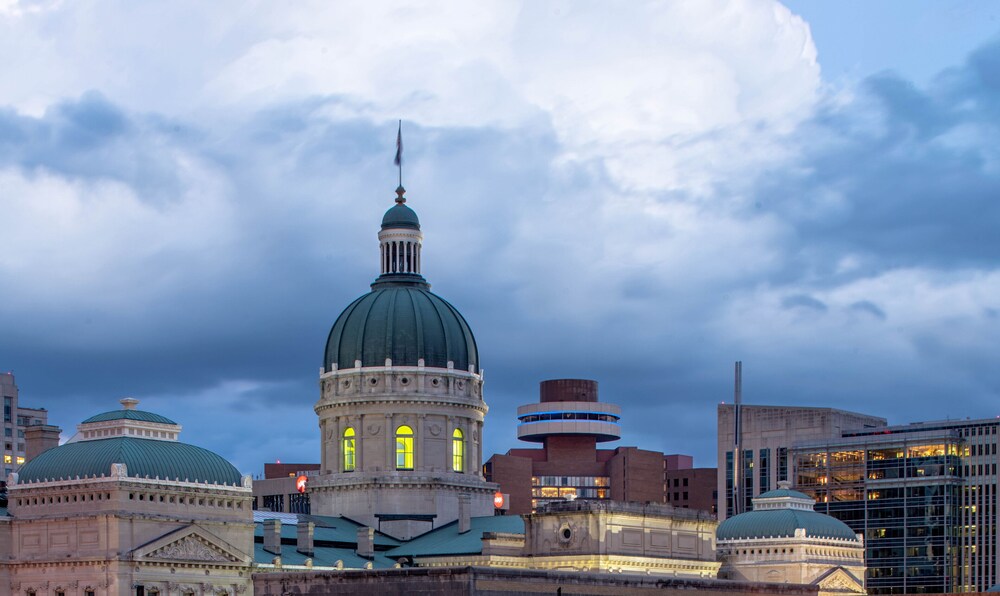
pixel 401 408
pixel 17 419
pixel 923 495
pixel 569 421
pixel 754 447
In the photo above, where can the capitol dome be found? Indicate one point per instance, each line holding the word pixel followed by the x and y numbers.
pixel 778 514
pixel 401 320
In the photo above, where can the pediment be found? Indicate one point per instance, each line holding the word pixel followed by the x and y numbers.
pixel 191 544
pixel 839 580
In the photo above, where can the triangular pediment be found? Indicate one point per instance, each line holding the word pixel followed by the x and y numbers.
pixel 191 544
pixel 839 580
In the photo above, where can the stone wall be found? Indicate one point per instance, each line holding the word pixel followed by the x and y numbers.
pixel 495 582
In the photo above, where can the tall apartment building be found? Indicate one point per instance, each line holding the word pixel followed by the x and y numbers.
pixel 924 495
pixel 766 434
pixel 16 419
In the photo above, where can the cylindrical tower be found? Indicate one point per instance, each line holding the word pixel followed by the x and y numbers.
pixel 401 408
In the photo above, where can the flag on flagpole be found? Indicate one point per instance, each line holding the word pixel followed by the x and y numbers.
pixel 399 145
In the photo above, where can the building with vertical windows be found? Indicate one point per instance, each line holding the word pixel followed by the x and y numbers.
pixel 688 487
pixel 16 420
pixel 753 460
pixel 401 406
pixel 924 495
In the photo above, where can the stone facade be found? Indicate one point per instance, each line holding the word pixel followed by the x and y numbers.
pixel 121 534
pixel 461 581
pixel 603 536
pixel 374 402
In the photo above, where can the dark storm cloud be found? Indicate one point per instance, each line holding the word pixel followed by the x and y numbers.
pixel 560 272
pixel 905 175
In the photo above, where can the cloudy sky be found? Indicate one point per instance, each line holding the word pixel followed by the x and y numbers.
pixel 639 193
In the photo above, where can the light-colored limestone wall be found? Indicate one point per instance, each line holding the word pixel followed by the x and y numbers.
pixel 375 402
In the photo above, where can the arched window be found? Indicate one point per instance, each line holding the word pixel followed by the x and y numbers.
pixel 458 451
pixel 349 449
pixel 404 448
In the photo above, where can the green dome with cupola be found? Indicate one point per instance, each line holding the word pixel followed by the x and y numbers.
pixel 401 321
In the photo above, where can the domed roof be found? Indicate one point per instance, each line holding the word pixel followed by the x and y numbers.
pixel 400 216
pixel 404 322
pixel 782 523
pixel 143 457
pixel 784 492
pixel 129 415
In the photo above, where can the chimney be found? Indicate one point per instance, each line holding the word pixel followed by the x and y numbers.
pixel 272 536
pixel 366 542
pixel 464 513
pixel 40 438
pixel 304 538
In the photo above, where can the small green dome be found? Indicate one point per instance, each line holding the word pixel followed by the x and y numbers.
pixel 784 492
pixel 400 216
pixel 782 523
pixel 142 457
pixel 404 322
pixel 129 415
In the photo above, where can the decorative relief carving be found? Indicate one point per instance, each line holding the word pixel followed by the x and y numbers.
pixel 189 549
pixel 434 429
pixel 373 429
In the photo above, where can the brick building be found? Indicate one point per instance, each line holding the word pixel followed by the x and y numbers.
pixel 569 422
pixel 689 487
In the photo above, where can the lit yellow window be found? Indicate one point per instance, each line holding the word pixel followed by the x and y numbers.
pixel 457 451
pixel 7 459
pixel 349 449
pixel 404 448
pixel 20 460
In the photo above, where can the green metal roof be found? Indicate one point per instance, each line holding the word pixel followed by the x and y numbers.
pixel 143 457
pixel 129 415
pixel 782 523
pixel 330 531
pixel 446 540
pixel 405 322
pixel 400 216
pixel 323 556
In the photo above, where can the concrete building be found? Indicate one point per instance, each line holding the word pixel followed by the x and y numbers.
pixel 401 407
pixel 783 540
pixel 279 490
pixel 17 419
pixel 126 510
pixel 569 422
pixel 765 435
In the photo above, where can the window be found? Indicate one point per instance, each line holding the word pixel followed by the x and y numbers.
pixel 404 448
pixel 20 459
pixel 8 458
pixel 457 451
pixel 349 449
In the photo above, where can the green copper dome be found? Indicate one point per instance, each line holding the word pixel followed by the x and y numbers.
pixel 404 321
pixel 142 457
pixel 129 415
pixel 782 523
pixel 400 216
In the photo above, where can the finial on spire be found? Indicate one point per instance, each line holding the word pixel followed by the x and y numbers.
pixel 399 154
pixel 399 194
